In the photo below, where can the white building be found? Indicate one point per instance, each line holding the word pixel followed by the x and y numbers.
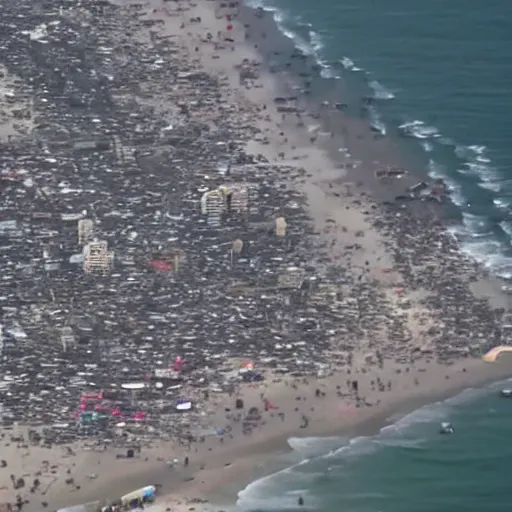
pixel 96 257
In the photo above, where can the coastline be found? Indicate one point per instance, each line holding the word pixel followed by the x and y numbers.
pixel 219 471
pixel 367 424
pixel 415 381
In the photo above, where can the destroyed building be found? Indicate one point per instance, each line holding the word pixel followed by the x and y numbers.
pixel 130 236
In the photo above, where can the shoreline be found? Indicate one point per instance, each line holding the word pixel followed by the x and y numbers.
pixel 365 425
pixel 377 419
pixel 203 486
pixel 387 386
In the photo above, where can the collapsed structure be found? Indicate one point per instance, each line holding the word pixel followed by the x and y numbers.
pixel 96 257
pixel 215 259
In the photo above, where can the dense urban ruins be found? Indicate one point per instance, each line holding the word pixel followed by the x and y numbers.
pixel 145 254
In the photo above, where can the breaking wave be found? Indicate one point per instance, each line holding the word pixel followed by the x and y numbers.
pixel 312 446
pixel 312 45
pixel 485 232
pixel 349 65
pixel 321 456
pixel 466 169
pixel 479 190
pixel 379 91
pixel 376 122
pixel 419 130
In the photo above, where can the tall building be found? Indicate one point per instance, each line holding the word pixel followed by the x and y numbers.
pixel 281 226
pixel 96 257
pixel 85 231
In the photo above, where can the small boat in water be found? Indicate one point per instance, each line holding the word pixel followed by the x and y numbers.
pixel 506 393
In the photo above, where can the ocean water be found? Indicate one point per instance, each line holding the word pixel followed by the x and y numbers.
pixel 441 76
pixel 440 73
pixel 406 467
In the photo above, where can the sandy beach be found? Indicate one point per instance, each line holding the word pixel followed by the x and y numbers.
pixel 405 353
pixel 222 465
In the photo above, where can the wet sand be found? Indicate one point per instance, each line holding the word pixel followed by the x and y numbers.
pixel 224 464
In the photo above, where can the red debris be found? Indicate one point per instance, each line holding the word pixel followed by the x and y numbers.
pixel 92 395
pixel 269 405
pixel 160 265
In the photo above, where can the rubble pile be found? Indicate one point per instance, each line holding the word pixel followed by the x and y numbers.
pixel 135 231
pixel 128 240
pixel 429 259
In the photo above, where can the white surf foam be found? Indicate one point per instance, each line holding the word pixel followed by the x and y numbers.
pixel 437 171
pixel 328 72
pixel 477 163
pixel 279 490
pixel 485 173
pixel 269 492
pixel 419 130
pixel 376 122
pixel 502 202
pixel 492 186
pixel 479 236
pixel 480 240
pixel 486 252
pixel 497 262
pixel 455 191
pixel 474 159
pixel 427 146
pixel 469 152
pixel 349 65
pixel 312 47
pixel 316 41
pixel 379 91
pixel 506 226
pixel 475 224
pixel 357 447
pixel 315 446
pixel 283 19
pixel 467 395
pixel 317 44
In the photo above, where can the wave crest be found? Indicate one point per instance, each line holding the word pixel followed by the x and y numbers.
pixel 279 490
pixel 379 91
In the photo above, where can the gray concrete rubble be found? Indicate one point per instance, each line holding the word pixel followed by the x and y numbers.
pixel 133 234
pixel 125 231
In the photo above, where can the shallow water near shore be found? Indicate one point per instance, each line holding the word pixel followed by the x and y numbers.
pixel 440 76
pixel 408 465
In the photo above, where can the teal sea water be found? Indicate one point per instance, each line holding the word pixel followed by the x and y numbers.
pixel 407 467
pixel 441 76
